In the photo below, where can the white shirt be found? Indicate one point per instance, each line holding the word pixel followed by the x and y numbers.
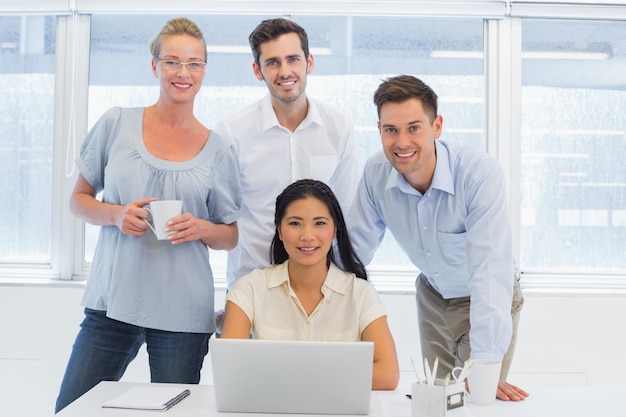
pixel 348 306
pixel 271 157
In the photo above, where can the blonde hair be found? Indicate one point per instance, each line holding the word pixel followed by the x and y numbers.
pixel 176 26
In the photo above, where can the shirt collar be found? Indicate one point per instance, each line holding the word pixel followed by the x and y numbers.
pixel 335 279
pixel 279 275
pixel 442 178
pixel 269 119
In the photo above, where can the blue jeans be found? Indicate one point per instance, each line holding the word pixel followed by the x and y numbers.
pixel 104 347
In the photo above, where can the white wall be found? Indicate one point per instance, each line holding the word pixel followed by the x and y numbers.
pixel 564 340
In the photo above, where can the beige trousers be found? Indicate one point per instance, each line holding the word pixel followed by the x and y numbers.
pixel 444 327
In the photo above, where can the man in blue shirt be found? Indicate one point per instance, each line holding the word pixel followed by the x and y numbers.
pixel 446 206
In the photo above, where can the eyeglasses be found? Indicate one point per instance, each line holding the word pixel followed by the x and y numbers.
pixel 171 65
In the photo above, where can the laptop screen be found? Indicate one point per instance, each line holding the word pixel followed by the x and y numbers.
pixel 279 376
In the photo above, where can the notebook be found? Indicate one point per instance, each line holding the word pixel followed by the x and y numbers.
pixel 153 397
pixel 296 377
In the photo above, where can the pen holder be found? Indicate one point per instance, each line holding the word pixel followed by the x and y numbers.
pixel 438 400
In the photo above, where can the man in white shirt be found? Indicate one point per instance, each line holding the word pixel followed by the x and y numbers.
pixel 283 137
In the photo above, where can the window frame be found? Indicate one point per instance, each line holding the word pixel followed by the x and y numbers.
pixel 502 115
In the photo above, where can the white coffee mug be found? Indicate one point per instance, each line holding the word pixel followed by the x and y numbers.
pixel 483 381
pixel 161 212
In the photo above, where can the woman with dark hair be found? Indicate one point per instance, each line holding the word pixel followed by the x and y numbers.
pixel 304 295
pixel 311 188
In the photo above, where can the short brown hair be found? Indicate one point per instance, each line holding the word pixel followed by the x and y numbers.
pixel 404 87
pixel 270 29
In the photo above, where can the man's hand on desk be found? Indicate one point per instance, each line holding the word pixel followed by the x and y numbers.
pixel 509 392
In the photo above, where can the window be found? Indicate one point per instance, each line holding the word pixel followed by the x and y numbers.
pixel 567 93
pixel 27 78
pixel 352 55
pixel 573 195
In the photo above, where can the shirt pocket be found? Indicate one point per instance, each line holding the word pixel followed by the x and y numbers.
pixel 323 167
pixel 452 246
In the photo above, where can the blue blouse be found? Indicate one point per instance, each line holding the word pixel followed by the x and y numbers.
pixel 141 280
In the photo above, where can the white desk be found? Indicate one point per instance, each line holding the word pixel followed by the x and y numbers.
pixel 567 402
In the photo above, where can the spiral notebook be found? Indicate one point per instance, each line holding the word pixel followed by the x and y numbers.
pixel 295 377
pixel 153 397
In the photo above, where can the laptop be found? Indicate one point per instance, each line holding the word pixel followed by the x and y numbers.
pixel 295 377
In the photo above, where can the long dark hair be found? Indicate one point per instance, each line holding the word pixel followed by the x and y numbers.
pixel 350 262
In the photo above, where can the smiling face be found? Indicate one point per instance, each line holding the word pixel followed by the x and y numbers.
pixel 179 85
pixel 284 68
pixel 307 231
pixel 408 139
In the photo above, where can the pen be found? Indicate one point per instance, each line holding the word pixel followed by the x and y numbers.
pixel 429 375
pixel 434 372
pixel 418 374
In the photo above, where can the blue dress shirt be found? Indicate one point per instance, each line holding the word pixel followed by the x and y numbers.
pixel 457 233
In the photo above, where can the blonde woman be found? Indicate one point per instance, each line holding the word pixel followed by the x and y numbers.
pixel 140 289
